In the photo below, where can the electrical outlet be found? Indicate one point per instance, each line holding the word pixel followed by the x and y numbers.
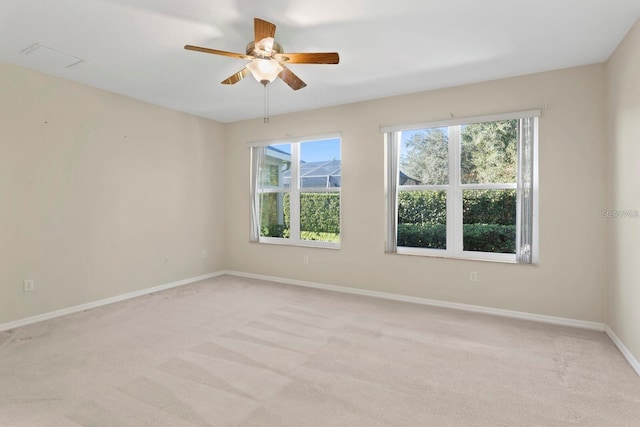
pixel 204 253
pixel 473 276
pixel 29 285
pixel 305 259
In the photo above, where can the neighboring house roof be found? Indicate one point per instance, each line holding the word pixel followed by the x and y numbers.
pixel 321 174
pixel 276 153
pixel 407 180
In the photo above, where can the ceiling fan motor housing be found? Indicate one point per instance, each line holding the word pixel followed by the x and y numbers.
pixel 263 54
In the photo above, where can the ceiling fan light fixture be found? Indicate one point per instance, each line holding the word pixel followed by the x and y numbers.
pixel 264 70
pixel 265 56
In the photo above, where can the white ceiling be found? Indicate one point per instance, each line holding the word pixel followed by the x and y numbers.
pixel 135 47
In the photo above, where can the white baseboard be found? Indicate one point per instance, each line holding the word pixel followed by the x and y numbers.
pixel 595 326
pixel 101 302
pixel 624 350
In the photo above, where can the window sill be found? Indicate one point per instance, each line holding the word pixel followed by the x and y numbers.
pixel 298 243
pixel 467 256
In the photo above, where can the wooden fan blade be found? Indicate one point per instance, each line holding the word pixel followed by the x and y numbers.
pixel 218 52
pixel 308 58
pixel 231 80
pixel 263 29
pixel 291 79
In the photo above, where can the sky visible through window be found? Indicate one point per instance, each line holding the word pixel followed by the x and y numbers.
pixel 407 134
pixel 316 151
pixel 321 150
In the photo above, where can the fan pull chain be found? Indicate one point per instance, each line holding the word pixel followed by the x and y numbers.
pixel 266 103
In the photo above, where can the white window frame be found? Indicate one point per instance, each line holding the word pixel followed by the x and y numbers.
pixel 455 190
pixel 294 191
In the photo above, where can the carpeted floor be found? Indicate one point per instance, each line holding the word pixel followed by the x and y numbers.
pixel 237 352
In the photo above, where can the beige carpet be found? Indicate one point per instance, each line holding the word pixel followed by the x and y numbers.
pixel 237 352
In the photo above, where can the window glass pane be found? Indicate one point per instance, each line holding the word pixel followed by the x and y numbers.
pixel 320 163
pixel 488 152
pixel 314 181
pixel 424 157
pixel 422 219
pixel 320 216
pixel 316 211
pixel 274 214
pixel 489 220
pixel 276 166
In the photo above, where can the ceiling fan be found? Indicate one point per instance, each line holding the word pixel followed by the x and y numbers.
pixel 268 59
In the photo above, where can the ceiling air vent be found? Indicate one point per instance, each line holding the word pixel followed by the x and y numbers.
pixel 51 56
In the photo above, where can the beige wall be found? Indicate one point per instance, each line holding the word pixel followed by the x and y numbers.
pixel 623 146
pixel 570 279
pixel 95 189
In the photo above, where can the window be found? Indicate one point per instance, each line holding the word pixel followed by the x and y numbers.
pixel 464 188
pixel 296 192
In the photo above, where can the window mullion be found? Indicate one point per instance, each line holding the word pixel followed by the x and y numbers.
pixel 455 179
pixel 452 191
pixel 294 195
pixel 507 186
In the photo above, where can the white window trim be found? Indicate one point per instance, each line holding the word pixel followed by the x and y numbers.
pixel 294 193
pixel 294 139
pixel 454 215
pixel 462 121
